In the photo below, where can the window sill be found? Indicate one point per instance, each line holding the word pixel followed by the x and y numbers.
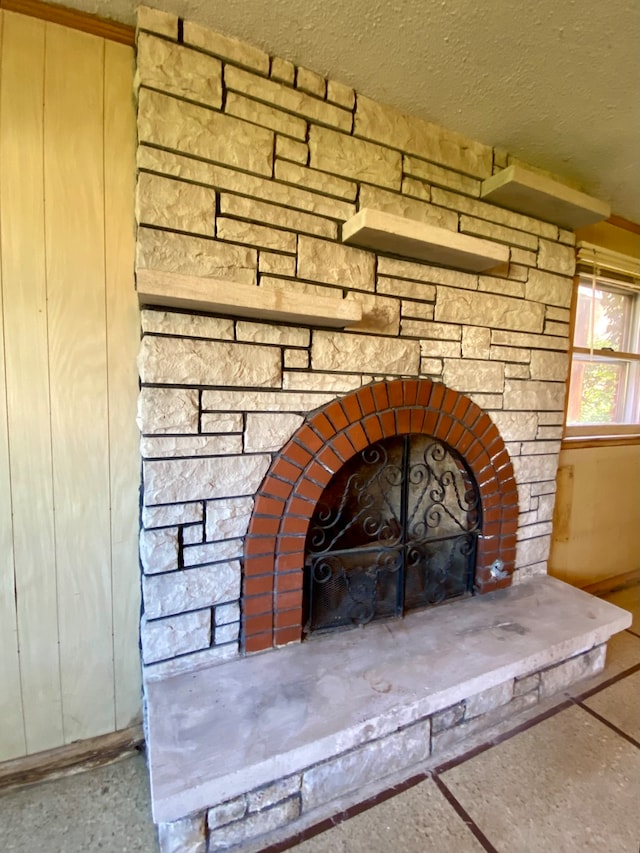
pixel 576 442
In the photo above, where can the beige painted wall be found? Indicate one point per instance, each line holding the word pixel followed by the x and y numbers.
pixel 596 532
pixel 69 597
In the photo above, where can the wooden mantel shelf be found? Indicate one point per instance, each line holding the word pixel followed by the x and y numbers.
pixel 174 290
pixel 386 232
pixel 542 197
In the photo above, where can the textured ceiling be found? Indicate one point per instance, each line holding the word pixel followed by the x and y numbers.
pixel 557 84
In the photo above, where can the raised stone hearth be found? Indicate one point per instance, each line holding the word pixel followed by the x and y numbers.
pixel 259 748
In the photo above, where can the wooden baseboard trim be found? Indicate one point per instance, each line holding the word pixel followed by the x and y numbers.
pixel 81 755
pixel 72 18
pixel 607 585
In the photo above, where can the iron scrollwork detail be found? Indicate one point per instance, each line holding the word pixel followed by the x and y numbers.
pixel 394 530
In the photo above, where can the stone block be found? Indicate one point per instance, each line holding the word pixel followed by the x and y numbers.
pixel 272 214
pixel 547 365
pixel 175 69
pixel 220 422
pixel 337 383
pixel 541 466
pixel 499 233
pixel 533 395
pixel 533 531
pixel 431 348
pixel 409 289
pixel 516 426
pixel 271 262
pixel 291 100
pixel 417 311
pixel 546 504
pixel 502 286
pixel 423 272
pixel 174 480
pixel 502 337
pixel 319 260
pixel 189 361
pixel 562 315
pixel 155 21
pixel 212 552
pixel 371 762
pixel 549 288
pixel 442 331
pixel 559 677
pixel 158 550
pixel 253 826
pixel 510 354
pixel 163 250
pixel 441 177
pixel 269 431
pixel 283 70
pixel 227 633
pixel 400 205
pixel 292 149
pixel 557 258
pixel 476 342
pixel 225 47
pixel 379 314
pixel 431 367
pixel 534 551
pixel 167 203
pixel 303 176
pixel 296 359
pixel 343 96
pixel 415 136
pixel 186 325
pixel 526 684
pixel 412 187
pixel 186 835
pixel 354 158
pixel 310 82
pixel 190 589
pixel 225 614
pixel 193 534
pixel 451 737
pixel 561 329
pixel 178 635
pixel 228 518
pixel 171 516
pixel 182 126
pixel 167 410
pixel 523 256
pixel 489 699
pixel 516 371
pixel 473 375
pixel 264 333
pixel 240 231
pixel 228 812
pixel 192 445
pixel 263 401
pixel 487 309
pixel 264 115
pixel 334 351
pixel 269 795
pixel 448 718
pixel 491 213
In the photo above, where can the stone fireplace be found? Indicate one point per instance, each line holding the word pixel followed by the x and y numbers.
pixel 319 276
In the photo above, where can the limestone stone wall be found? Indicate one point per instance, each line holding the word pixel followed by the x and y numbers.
pixel 248 166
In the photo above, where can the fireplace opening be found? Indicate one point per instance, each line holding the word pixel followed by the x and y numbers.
pixel 394 530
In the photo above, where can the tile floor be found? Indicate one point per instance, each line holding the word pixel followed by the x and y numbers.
pixel 567 781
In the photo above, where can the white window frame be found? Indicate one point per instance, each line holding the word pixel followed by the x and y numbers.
pixel 618 272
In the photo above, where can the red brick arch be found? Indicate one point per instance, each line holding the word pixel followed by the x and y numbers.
pixel 329 437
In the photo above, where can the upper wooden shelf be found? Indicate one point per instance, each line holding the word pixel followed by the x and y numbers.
pixel 385 232
pixel 524 191
pixel 175 290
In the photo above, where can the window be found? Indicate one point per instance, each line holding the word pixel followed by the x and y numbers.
pixel 604 386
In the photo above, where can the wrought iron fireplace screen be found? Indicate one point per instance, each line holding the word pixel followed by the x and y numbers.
pixel 394 530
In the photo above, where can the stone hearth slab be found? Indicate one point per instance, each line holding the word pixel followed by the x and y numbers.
pixel 218 732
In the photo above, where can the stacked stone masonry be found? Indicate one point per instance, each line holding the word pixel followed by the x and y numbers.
pixel 281 809
pixel 248 167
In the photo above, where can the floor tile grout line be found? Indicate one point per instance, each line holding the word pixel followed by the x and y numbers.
pixel 633 633
pixel 500 738
pixel 607 723
pixel 463 813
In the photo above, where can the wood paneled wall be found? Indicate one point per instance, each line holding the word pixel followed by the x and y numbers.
pixel 69 599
